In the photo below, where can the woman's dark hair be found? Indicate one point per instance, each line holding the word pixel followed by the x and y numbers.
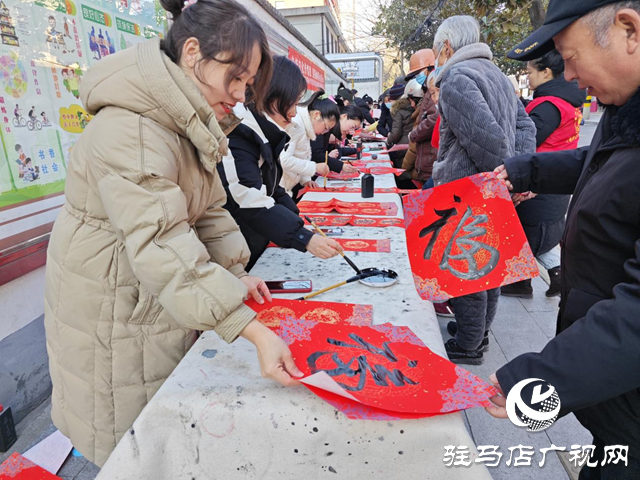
pixel 227 33
pixel 353 112
pixel 328 109
pixel 286 87
pixel 552 60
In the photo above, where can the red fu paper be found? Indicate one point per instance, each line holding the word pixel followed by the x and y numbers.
pixel 380 372
pixel 358 245
pixel 341 221
pixel 19 467
pixel 271 314
pixel 465 237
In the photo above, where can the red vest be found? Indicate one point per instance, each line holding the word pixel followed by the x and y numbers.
pixel 566 136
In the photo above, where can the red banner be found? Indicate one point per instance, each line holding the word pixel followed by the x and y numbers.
pixel 465 237
pixel 313 73
pixel 388 209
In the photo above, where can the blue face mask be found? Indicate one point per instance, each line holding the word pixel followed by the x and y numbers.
pixel 421 78
pixel 438 66
pixel 388 105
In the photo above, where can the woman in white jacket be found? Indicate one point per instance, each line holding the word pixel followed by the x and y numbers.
pixel 316 116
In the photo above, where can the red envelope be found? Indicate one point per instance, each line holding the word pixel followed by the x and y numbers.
pixel 271 314
pixel 386 369
pixel 465 237
pixel 19 467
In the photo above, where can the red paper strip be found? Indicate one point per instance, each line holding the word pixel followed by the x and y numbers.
pixel 465 237
pixel 271 314
pixel 376 222
pixel 383 171
pixel 385 367
pixel 19 467
pixel 371 163
pixel 341 221
pixel 354 190
pixel 342 176
pixel 358 245
pixel 354 208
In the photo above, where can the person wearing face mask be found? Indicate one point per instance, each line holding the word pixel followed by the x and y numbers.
pixel 251 171
pixel 316 116
pixel 143 254
pixel 334 141
pixel 421 155
pixel 482 123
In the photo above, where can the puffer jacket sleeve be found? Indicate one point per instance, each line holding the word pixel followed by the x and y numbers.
pixel 294 159
pixel 319 147
pixel 148 212
pixel 219 233
pixel 396 129
pixel 472 122
pixel 525 132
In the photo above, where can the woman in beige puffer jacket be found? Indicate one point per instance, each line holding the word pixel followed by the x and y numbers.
pixel 143 253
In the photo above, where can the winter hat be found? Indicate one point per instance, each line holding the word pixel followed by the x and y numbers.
pixel 396 91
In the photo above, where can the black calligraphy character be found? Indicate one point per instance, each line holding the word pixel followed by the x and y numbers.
pixel 380 374
pixel 469 248
pixel 436 226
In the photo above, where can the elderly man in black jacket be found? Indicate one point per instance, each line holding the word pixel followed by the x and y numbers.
pixel 594 361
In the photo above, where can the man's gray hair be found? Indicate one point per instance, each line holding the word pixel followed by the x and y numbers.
pixel 460 30
pixel 602 19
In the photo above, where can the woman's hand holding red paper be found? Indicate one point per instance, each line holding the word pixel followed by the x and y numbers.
pixel 276 362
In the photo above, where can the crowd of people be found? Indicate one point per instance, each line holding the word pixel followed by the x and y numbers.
pixel 201 141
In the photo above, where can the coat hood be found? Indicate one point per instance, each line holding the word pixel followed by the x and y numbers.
pixel 145 81
pixel 402 104
pixel 559 87
pixel 475 50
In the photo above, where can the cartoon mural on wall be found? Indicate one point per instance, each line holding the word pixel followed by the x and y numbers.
pixel 45 49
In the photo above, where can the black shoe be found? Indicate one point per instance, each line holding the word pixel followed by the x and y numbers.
pixel 459 355
pixel 452 328
pixel 521 289
pixel 554 284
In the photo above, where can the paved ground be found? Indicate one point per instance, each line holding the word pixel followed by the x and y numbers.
pixel 521 326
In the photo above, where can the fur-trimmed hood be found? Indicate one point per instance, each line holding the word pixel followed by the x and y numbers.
pixel 402 104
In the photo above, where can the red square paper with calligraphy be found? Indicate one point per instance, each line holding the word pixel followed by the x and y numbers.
pixel 465 237
pixel 380 372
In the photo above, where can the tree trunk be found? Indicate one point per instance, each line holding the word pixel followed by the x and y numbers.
pixel 537 14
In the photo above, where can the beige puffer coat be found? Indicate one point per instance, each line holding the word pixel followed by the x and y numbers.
pixel 143 252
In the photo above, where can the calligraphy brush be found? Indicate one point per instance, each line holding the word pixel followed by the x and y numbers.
pixel 347 259
pixel 355 278
pixel 326 162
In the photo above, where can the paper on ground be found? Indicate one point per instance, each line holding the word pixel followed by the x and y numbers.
pixel 50 453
